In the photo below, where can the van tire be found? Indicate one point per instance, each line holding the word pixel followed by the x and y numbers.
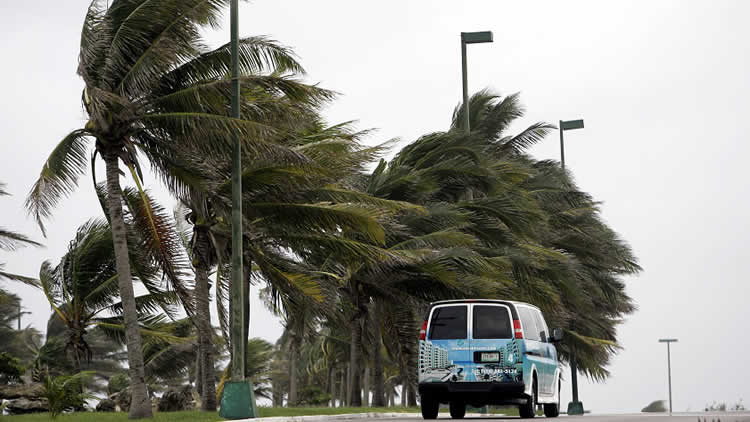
pixel 458 409
pixel 430 407
pixel 552 410
pixel 528 410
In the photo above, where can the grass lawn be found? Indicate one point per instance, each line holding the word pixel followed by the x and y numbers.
pixel 211 417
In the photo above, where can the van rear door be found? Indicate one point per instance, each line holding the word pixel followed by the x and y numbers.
pixel 493 357
pixel 446 351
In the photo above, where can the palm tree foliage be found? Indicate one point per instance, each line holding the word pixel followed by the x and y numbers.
pixel 83 290
pixel 498 223
pixel 11 241
pixel 349 256
pixel 152 88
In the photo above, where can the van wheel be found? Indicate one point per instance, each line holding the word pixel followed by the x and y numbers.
pixel 553 410
pixel 528 410
pixel 429 407
pixel 458 409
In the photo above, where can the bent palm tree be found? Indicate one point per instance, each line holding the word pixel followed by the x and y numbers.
pixel 152 87
pixel 82 289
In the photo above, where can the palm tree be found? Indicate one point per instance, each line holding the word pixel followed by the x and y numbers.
pixel 104 356
pixel 82 291
pixel 509 214
pixel 153 88
pixel 19 342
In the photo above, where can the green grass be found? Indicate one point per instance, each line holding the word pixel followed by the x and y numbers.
pixel 212 417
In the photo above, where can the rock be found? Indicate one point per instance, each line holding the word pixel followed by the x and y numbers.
pixel 176 399
pixel 17 391
pixel 23 406
pixel 121 399
pixel 106 405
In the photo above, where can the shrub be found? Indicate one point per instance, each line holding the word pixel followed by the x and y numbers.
pixel 118 383
pixel 313 396
pixel 10 369
pixel 656 406
pixel 65 392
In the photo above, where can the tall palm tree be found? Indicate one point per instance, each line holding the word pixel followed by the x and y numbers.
pixel 152 88
pixel 209 244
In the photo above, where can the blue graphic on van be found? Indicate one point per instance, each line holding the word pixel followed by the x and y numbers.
pixel 454 361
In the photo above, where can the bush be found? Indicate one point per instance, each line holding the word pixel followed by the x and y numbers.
pixel 656 406
pixel 10 369
pixel 118 383
pixel 313 396
pixel 716 407
pixel 66 392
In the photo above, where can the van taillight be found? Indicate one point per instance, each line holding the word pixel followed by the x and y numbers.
pixel 517 328
pixel 423 331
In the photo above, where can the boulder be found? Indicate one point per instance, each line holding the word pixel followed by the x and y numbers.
pixel 106 405
pixel 122 400
pixel 24 405
pixel 176 399
pixel 17 391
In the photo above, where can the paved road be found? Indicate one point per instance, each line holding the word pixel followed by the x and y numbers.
pixel 677 417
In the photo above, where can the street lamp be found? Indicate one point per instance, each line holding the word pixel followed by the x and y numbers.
pixel 567 125
pixel 669 368
pixel 575 407
pixel 237 399
pixel 470 38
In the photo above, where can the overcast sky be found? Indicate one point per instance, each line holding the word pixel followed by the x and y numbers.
pixel 662 85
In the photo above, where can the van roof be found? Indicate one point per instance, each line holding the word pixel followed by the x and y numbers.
pixel 501 301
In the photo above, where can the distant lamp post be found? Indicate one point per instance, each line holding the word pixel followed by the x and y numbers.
pixel 470 38
pixel 567 125
pixel 669 368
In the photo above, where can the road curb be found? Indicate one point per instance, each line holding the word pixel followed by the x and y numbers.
pixel 346 416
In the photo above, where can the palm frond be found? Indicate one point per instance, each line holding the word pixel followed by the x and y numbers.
pixel 59 175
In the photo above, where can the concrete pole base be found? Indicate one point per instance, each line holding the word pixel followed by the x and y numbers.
pixel 238 401
pixel 575 408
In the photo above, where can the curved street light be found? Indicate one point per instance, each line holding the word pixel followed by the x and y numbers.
pixel 470 38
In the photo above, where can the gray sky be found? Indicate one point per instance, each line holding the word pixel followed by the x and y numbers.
pixel 662 86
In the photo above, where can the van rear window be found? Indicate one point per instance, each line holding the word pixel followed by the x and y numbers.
pixel 448 323
pixel 491 322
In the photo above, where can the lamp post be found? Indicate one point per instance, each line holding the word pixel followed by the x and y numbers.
pixel 470 38
pixel 575 407
pixel 567 125
pixel 237 399
pixel 669 368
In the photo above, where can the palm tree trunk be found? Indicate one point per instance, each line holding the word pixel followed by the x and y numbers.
pixel 293 352
pixel 411 374
pixel 378 398
pixel 207 377
pixel 366 387
pixel 355 351
pixel 348 384
pixel 198 369
pixel 332 385
pixel 342 388
pixel 140 404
